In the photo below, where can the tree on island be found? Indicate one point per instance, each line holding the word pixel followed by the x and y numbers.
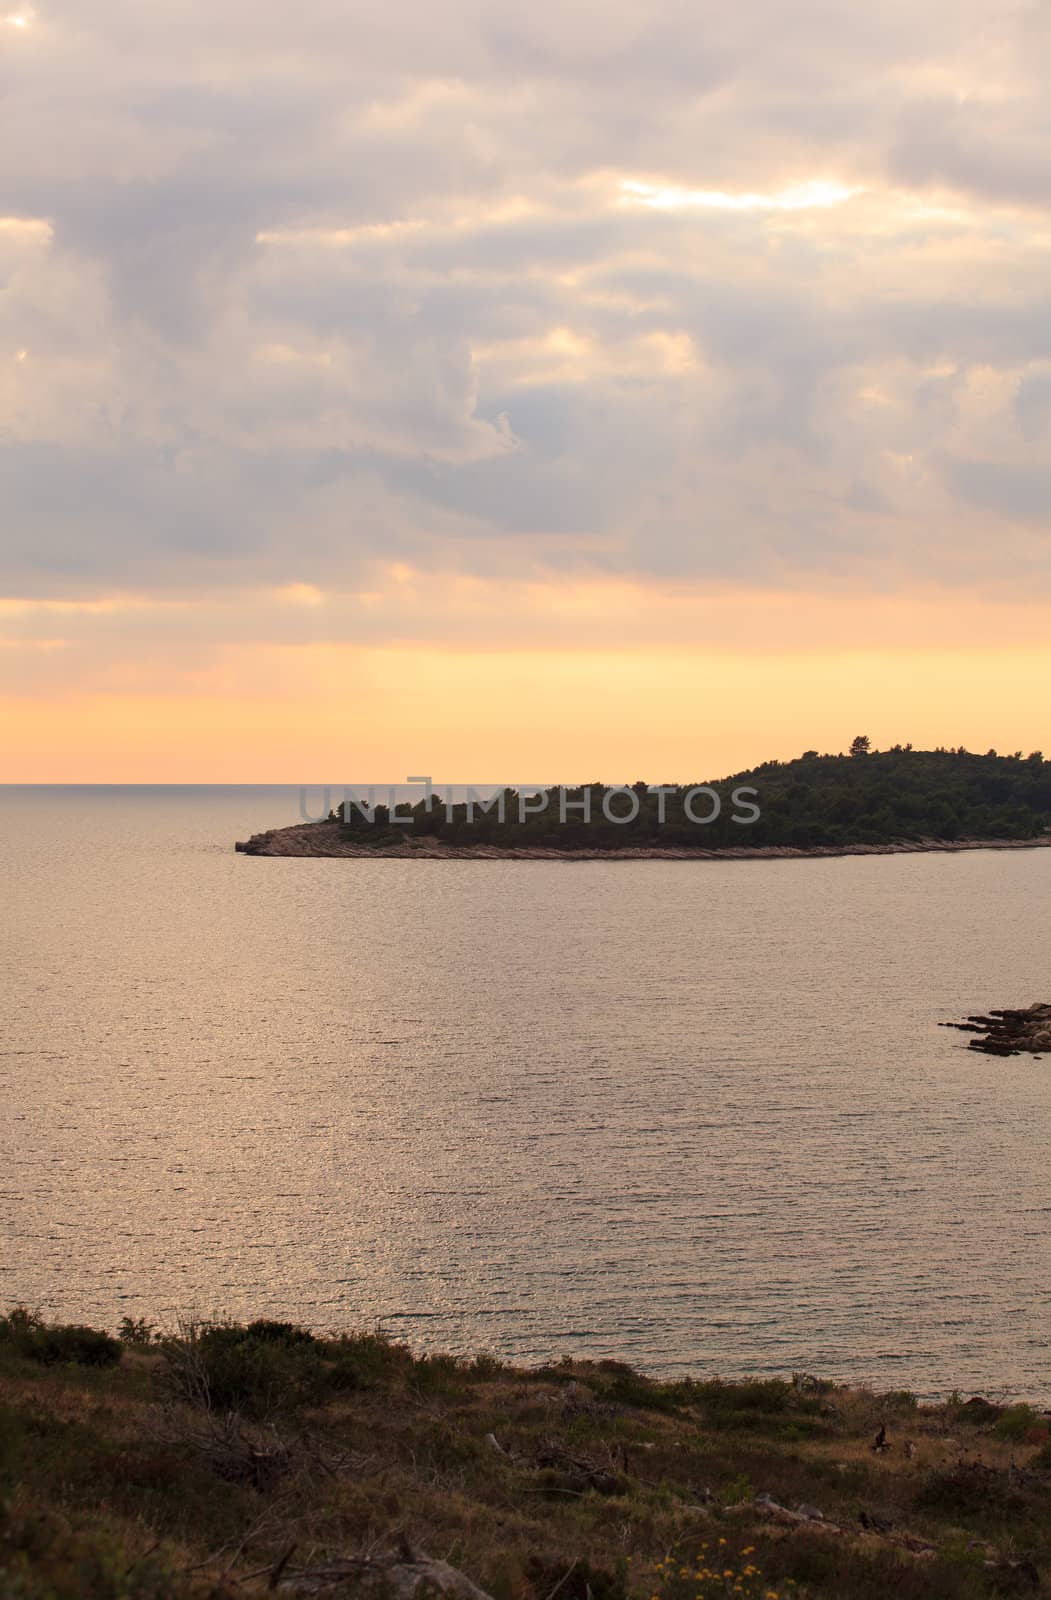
pixel 893 796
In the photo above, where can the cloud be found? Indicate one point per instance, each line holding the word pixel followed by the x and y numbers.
pixel 1017 491
pixel 756 295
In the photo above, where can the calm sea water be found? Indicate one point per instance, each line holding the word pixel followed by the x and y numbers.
pixel 698 1116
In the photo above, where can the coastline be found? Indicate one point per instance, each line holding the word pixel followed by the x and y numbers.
pixel 321 840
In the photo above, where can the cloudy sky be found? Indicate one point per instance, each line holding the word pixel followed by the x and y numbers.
pixel 636 388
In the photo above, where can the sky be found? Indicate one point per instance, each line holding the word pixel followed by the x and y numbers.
pixel 579 391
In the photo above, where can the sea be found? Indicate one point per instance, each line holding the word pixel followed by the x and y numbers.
pixel 695 1116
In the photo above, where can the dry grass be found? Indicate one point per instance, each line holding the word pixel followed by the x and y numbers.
pixel 575 1483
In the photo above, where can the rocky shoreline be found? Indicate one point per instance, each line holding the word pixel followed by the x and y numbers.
pixel 323 839
pixel 1010 1033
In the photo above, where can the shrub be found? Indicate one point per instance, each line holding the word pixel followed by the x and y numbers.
pixel 86 1347
pixel 969 1490
pixel 619 1383
pixel 1018 1422
pixel 267 1332
pixel 819 1565
pixel 366 1360
pixel 806 1383
pixel 255 1369
pixel 755 1394
pixel 43 1558
pixel 136 1332
pixel 977 1410
pixel 436 1374
pixel 752 1404
pixel 579 1581
pixel 738 1490
pixel 265 1368
pixel 484 1366
pixel 28 1335
pixel 18 1323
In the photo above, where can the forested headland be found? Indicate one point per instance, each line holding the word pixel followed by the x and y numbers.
pixel 861 797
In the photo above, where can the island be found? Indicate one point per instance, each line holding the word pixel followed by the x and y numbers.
pixel 861 802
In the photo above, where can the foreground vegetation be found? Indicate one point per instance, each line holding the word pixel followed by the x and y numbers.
pixel 231 1460
pixel 865 797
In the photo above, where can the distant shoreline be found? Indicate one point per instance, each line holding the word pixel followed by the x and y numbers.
pixel 322 840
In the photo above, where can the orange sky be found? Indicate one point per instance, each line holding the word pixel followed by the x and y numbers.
pixel 599 681
pixel 606 395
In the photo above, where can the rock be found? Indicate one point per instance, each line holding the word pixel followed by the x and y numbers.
pixel 398 1577
pixel 805 1514
pixel 328 839
pixel 405 1578
pixel 1008 1033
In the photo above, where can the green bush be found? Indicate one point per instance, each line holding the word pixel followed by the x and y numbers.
pixel 1016 1422
pixel 262 1370
pixel 754 1394
pixel 811 1564
pixel 43 1558
pixel 286 1333
pixel 485 1366
pixel 265 1368
pixel 581 1581
pixel 619 1383
pixel 136 1332
pixel 969 1490
pixel 366 1360
pixel 18 1324
pixel 28 1335
pixel 86 1347
pixel 755 1403
pixel 437 1374
pixel 977 1410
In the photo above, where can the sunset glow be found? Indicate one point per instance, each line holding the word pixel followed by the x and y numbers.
pixel 801 197
pixel 547 353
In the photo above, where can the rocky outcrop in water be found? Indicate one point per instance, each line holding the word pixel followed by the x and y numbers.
pixel 1010 1033
pixel 318 839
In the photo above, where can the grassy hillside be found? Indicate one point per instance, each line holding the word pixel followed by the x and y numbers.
pixel 244 1461
pixel 869 797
